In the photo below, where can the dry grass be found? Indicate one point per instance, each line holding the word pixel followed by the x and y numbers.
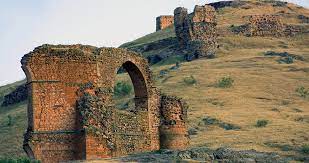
pixel 262 89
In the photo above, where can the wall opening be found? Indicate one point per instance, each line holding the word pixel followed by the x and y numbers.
pixel 123 91
pixel 130 92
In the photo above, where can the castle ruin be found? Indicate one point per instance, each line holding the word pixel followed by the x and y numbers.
pixel 164 21
pixel 72 115
pixel 196 32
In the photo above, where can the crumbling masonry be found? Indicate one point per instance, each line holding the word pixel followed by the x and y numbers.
pixel 267 25
pixel 71 113
pixel 196 32
pixel 164 21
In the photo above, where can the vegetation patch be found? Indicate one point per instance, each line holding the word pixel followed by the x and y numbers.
pixel 286 57
pixel 18 160
pixel 302 92
pixel 225 82
pixel 283 147
pixel 213 121
pixel 122 88
pixel 261 123
pixel 305 148
pixel 190 80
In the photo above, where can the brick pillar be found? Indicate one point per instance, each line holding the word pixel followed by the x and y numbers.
pixel 173 130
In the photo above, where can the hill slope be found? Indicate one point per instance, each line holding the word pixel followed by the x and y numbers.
pixel 264 87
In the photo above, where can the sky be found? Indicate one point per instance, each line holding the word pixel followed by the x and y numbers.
pixel 25 25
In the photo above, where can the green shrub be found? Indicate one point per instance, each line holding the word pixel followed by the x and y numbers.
pixel 213 121
pixel 189 80
pixel 192 131
pixel 302 92
pixel 225 82
pixel 305 149
pixel 122 88
pixel 261 123
pixel 10 120
pixel 228 126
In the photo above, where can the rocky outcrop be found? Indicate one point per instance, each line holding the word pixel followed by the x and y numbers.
pixel 203 154
pixel 18 95
pixel 196 32
pixel 164 21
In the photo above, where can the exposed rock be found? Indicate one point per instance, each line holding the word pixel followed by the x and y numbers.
pixel 159 49
pixel 303 18
pixel 204 154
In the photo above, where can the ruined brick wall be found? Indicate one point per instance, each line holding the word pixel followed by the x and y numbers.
pixel 196 32
pixel 265 25
pixel 71 113
pixel 173 131
pixel 268 25
pixel 164 21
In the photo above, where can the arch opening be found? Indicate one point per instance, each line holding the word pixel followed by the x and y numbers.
pixel 130 91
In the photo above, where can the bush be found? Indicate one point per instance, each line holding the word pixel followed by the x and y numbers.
pixel 261 123
pixel 213 121
pixel 189 80
pixel 305 149
pixel 122 88
pixel 192 131
pixel 302 92
pixel 228 126
pixel 10 120
pixel 225 82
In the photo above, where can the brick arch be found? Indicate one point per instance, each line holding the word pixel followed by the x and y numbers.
pixel 60 77
pixel 138 80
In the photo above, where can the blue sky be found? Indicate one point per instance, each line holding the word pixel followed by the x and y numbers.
pixel 27 24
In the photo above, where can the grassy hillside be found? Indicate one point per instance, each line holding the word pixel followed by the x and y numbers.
pixel 13 123
pixel 259 104
pixel 264 89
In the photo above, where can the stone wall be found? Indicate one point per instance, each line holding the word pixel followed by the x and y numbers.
pixel 265 25
pixel 71 113
pixel 268 25
pixel 173 131
pixel 164 21
pixel 196 32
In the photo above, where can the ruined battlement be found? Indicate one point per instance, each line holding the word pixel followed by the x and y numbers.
pixel 196 32
pixel 265 25
pixel 71 112
pixel 164 21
